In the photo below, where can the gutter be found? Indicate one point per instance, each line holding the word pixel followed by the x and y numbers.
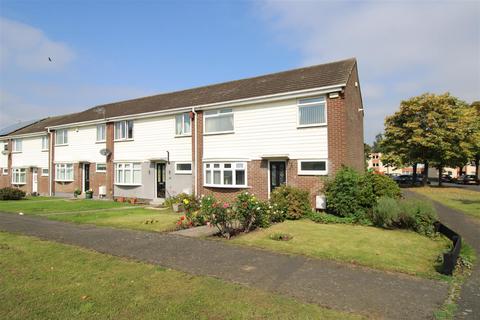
pixel 195 139
pixel 50 161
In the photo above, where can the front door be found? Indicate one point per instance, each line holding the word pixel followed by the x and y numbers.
pixel 161 180
pixel 34 180
pixel 86 177
pixel 278 174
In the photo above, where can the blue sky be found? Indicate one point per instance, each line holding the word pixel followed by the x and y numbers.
pixel 105 51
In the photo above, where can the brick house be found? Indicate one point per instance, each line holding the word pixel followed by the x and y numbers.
pixel 254 134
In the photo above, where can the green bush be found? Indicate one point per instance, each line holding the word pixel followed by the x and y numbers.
pixel 221 215
pixel 291 203
pixel 417 215
pixel 385 213
pixel 11 194
pixel 325 218
pixel 180 198
pixel 251 212
pixel 384 186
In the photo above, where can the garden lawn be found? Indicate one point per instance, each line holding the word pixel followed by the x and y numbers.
pixel 46 280
pixel 393 250
pixel 467 201
pixel 98 212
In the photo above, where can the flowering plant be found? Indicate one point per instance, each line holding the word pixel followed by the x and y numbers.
pixel 221 215
pixel 251 212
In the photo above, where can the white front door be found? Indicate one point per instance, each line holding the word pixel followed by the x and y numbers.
pixel 34 180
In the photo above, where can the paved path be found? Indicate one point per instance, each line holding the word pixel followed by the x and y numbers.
pixel 469 302
pixel 334 285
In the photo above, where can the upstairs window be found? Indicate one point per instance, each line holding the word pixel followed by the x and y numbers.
pixel 183 124
pixel 219 121
pixel 311 112
pixel 312 167
pixel 124 130
pixel 101 132
pixel 61 137
pixel 45 141
pixel 17 145
pixel 19 176
pixel 225 175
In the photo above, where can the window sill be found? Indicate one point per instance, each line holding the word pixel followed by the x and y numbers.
pixel 311 125
pixel 61 145
pixel 217 133
pixel 315 173
pixel 128 184
pixel 183 172
pixel 183 135
pixel 16 152
pixel 64 180
pixel 103 141
pixel 122 140
pixel 225 187
pixel 19 183
pixel 100 171
pixel 44 150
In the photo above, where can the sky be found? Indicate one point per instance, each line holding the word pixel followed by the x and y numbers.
pixel 107 51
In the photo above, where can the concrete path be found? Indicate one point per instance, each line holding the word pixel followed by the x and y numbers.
pixel 330 284
pixel 197 232
pixel 469 229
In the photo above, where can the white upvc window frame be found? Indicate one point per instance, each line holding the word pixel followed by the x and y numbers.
pixel 17 145
pixel 179 171
pixel 45 143
pixel 19 174
pixel 312 172
pixel 309 102
pixel 5 171
pixel 122 169
pixel 45 174
pixel 217 113
pixel 182 118
pixel 123 131
pixel 100 170
pixel 64 172
pixel 63 133
pixel 101 131
pixel 220 166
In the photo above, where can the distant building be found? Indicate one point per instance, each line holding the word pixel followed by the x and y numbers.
pixel 375 163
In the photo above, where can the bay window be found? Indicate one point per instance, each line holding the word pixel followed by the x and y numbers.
pixel 312 167
pixel 124 130
pixel 101 132
pixel 219 121
pixel 19 176
pixel 311 112
pixel 64 172
pixel 225 175
pixel 61 137
pixel 128 174
pixel 183 124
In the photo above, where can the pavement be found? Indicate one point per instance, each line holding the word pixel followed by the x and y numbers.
pixel 344 287
pixel 469 229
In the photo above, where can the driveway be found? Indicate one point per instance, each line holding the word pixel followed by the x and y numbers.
pixel 334 285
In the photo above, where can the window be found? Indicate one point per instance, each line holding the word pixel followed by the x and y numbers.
pixel 128 174
pixel 17 145
pixel 101 132
pixel 183 168
pixel 44 172
pixel 124 130
pixel 219 121
pixel 45 143
pixel 19 175
pixel 311 112
pixel 5 146
pixel 101 167
pixel 5 171
pixel 226 175
pixel 64 172
pixel 61 137
pixel 182 124
pixel 312 167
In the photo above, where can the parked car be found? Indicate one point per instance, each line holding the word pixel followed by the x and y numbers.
pixel 467 179
pixel 447 178
pixel 406 179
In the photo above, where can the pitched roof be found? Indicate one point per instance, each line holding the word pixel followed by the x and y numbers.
pixel 15 127
pixel 41 125
pixel 323 75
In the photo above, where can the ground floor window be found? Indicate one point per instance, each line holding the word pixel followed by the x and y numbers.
pixel 225 174
pixel 183 168
pixel 312 167
pixel 5 171
pixel 19 175
pixel 64 172
pixel 44 172
pixel 101 167
pixel 128 174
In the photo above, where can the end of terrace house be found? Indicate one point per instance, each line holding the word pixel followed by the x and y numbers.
pixel 253 134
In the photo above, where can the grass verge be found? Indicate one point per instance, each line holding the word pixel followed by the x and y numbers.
pixel 46 280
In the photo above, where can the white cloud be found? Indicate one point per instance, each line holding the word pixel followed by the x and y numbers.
pixel 28 48
pixel 403 48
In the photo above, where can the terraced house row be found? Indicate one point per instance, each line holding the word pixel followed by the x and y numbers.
pixel 253 134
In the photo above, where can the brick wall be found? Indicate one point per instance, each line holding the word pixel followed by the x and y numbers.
pixel 70 187
pixel 97 179
pixel 4 182
pixel 110 145
pixel 42 183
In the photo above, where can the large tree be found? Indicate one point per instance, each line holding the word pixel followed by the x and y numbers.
pixel 474 135
pixel 430 129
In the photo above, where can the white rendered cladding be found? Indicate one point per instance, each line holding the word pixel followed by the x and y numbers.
pixel 3 157
pixel 268 129
pixel 82 146
pixel 31 155
pixel 152 138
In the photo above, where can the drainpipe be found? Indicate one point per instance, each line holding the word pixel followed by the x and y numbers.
pixel 195 171
pixel 50 160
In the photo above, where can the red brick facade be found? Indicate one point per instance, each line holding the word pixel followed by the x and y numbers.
pixel 109 175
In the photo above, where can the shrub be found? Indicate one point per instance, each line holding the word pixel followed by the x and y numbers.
pixel 291 202
pixel 385 213
pixel 193 216
pixel 11 194
pixel 417 215
pixel 219 214
pixel 326 218
pixel 384 186
pixel 344 194
pixel 251 212
pixel 179 198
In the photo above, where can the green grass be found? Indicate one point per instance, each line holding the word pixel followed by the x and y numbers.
pixel 464 200
pixel 392 250
pixel 102 213
pixel 45 280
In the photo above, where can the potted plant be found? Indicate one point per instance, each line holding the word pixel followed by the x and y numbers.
pixel 89 194
pixel 133 200
pixel 76 193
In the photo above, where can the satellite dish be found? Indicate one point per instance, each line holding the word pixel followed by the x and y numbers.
pixel 105 152
pixel 4 152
